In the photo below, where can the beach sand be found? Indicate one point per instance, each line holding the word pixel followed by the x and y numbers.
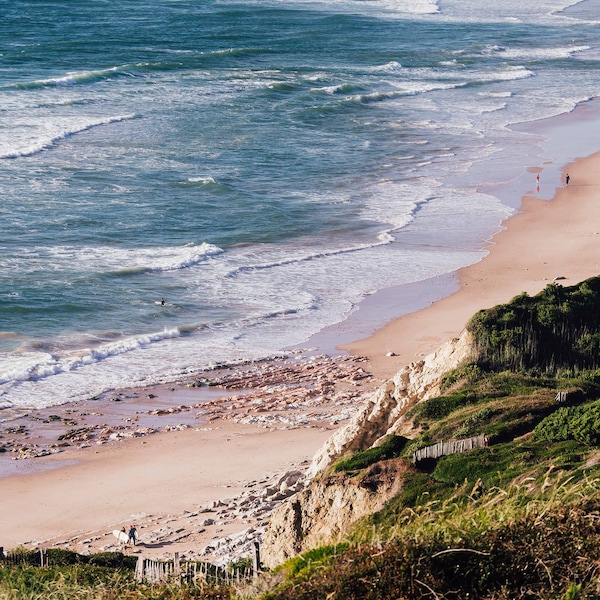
pixel 189 465
pixel 180 488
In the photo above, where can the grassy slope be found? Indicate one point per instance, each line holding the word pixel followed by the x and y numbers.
pixel 533 531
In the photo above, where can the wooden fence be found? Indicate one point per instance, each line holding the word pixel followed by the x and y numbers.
pixel 189 572
pixel 451 447
pixel 39 558
pixel 159 571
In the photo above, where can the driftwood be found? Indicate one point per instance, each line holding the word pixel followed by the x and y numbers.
pixel 450 447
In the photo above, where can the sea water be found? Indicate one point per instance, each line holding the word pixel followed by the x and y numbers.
pixel 185 183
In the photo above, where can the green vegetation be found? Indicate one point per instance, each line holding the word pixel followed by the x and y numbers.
pixel 101 576
pixel 313 560
pixel 557 329
pixel 523 559
pixel 532 530
pixel 580 423
pixel 519 518
pixel 391 448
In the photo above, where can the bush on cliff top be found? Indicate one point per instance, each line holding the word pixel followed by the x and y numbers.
pixel 580 423
pixel 559 328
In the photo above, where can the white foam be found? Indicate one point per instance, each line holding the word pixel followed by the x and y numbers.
pixel 535 53
pixel 49 135
pixel 103 259
pixel 388 8
pixel 73 78
pixel 203 180
pixel 16 368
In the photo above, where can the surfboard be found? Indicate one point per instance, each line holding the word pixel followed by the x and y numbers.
pixel 121 535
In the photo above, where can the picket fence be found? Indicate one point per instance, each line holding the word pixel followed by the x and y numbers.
pixel 188 571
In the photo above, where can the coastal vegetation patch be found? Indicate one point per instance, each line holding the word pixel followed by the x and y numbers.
pixel 557 329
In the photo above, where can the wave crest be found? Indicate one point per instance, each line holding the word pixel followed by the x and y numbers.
pixel 41 145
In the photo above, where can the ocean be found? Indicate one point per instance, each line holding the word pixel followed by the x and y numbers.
pixel 192 183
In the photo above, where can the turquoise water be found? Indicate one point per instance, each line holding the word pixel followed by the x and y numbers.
pixel 259 167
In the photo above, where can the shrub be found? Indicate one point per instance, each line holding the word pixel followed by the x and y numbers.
pixel 559 328
pixel 580 423
pixel 114 560
pixel 391 448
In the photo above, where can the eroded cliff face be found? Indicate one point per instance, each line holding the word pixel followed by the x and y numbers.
pixel 325 510
pixel 331 504
pixel 383 410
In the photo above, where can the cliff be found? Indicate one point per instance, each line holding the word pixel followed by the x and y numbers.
pixel 330 504
pixel 383 410
pixel 324 511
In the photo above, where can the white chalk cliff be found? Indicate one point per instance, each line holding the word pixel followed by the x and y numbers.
pixel 330 504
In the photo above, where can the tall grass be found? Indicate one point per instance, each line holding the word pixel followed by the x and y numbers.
pixel 537 538
pixel 85 582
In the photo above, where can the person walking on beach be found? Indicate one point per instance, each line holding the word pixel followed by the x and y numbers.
pixel 132 535
pixel 567 179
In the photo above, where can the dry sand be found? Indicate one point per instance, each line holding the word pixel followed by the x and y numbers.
pixel 164 482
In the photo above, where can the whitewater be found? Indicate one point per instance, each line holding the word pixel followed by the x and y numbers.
pixel 191 184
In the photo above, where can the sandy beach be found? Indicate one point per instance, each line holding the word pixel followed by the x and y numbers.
pixel 196 466
pixel 202 476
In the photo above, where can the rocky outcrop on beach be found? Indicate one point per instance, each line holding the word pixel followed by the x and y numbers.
pixel 299 391
pixel 219 532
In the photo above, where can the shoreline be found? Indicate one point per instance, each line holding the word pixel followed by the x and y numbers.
pixel 544 242
pixel 232 440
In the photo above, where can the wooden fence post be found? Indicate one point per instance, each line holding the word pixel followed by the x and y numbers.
pixel 256 560
pixel 177 566
pixel 139 569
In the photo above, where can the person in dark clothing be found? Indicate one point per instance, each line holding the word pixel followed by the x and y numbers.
pixel 132 535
